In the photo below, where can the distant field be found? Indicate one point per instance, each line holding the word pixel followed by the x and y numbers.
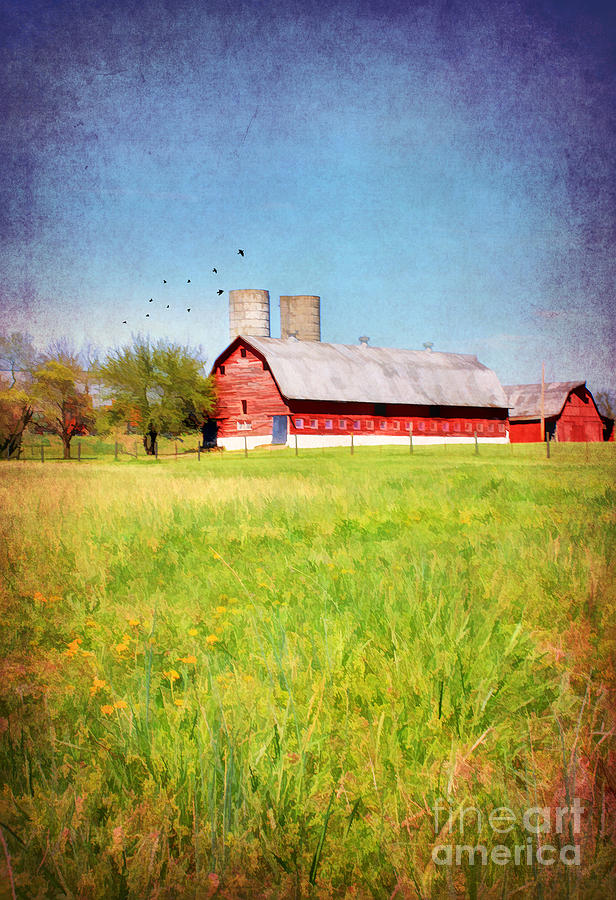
pixel 257 677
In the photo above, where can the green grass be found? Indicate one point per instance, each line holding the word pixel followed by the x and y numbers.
pixel 257 676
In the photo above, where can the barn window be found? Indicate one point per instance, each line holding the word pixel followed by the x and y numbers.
pixel 432 426
pixel 369 425
pixel 445 426
pixel 396 426
pixel 380 409
pixel 382 425
pixel 221 369
pixel 244 406
pixel 299 423
pixel 243 352
pixel 356 424
pixel 314 423
pixel 491 426
pixel 501 427
pixel 329 424
pixel 479 426
pixel 407 426
pixel 456 426
pixel 468 426
pixel 421 426
pixel 342 424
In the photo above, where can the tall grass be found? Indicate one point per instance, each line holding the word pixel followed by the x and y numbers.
pixel 257 677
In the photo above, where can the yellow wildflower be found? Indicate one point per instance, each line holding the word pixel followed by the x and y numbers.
pixel 212 638
pixel 55 599
pixel 232 599
pixel 98 685
pixel 73 646
pixel 193 632
pixel 107 710
pixel 172 675
pixel 134 623
pixel 120 648
pixel 221 609
pixel 178 702
pixel 216 555
pixel 189 660
pixel 38 596
pixel 121 704
pixel 90 623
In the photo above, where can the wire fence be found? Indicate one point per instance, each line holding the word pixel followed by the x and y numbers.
pixel 48 448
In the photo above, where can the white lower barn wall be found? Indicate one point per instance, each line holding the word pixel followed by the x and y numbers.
pixel 316 441
pixel 344 440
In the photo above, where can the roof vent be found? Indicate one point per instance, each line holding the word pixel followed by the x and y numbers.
pixel 364 340
pixel 428 345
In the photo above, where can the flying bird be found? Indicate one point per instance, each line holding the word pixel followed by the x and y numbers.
pixel 164 281
pixel 215 271
pixel 151 301
pixel 167 306
pixel 188 282
pixel 147 315
pixel 241 252
pixel 188 310
pixel 220 292
pixel 124 322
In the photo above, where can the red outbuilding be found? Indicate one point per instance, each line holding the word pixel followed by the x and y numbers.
pixel 273 390
pixel 569 410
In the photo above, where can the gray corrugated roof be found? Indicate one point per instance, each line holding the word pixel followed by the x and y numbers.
pixel 314 370
pixel 525 399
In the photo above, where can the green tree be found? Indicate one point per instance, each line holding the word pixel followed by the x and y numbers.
pixel 18 359
pixel 162 385
pixel 63 404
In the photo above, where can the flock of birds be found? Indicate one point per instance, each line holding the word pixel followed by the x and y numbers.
pixel 188 308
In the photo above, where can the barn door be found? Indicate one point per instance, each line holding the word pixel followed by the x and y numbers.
pixel 279 429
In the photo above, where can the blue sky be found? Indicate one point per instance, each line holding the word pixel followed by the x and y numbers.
pixel 434 171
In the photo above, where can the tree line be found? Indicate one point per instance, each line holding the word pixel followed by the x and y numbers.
pixel 158 387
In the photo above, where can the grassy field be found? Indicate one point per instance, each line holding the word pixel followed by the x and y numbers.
pixel 259 677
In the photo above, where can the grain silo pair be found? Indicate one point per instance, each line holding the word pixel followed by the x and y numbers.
pixel 249 314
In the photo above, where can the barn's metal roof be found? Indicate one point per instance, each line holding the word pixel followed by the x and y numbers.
pixel 525 399
pixel 314 370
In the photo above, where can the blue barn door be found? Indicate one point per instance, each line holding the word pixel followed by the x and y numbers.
pixel 279 429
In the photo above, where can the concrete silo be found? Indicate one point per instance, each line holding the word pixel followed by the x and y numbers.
pixel 249 313
pixel 300 315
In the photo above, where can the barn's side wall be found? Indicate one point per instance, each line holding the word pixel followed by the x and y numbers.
pixel 524 432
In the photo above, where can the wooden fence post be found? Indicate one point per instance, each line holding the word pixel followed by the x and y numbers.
pixel 476 443
pixel 79 452
pixel 352 444
pixel 42 452
pixel 245 446
pixel 296 452
pixel 176 450
pixel 411 437
pixel 156 449
pixel 547 446
pixel 198 452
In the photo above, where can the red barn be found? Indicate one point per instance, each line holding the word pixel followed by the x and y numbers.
pixel 272 390
pixel 569 410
